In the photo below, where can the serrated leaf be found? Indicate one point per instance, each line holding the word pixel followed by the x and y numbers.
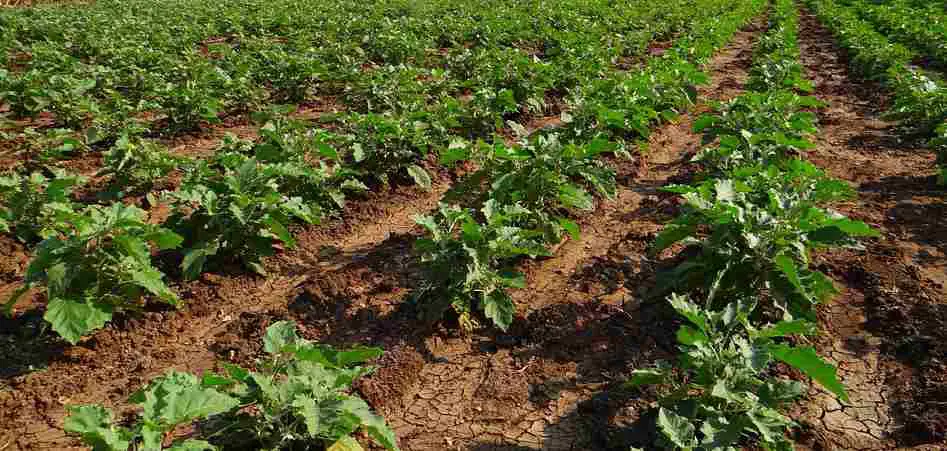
pixel 73 319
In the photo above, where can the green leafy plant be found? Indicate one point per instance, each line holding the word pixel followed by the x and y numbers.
pixel 468 262
pixel 97 263
pixel 380 147
pixel 33 207
pixel 754 232
pixel 135 164
pixel 768 127
pixel 545 174
pixel 940 145
pixel 721 393
pixel 300 398
pixel 305 159
pixel 235 208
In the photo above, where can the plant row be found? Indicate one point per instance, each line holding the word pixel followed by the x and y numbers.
pixel 301 391
pixel 748 225
pixel 231 208
pixel 920 97
pixel 95 260
pixel 152 66
pixel 518 202
pixel 921 29
pixel 300 397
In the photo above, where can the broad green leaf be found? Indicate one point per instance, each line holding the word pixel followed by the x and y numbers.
pixel 149 278
pixel 839 229
pixel 671 234
pixel 373 424
pixel 689 310
pixel 277 228
pixel 770 424
pixel 648 376
pixel 358 153
pixel 689 336
pixel 820 286
pixel 192 445
pixel 179 407
pixel 570 227
pixel 677 429
pixel 57 279
pixel 420 176
pixel 719 434
pixel 151 437
pixel 280 337
pixel 498 307
pixel 345 443
pixel 193 263
pixel 94 424
pixel 786 328
pixel 305 406
pixel 359 354
pixel 512 279
pixel 134 246
pixel 575 197
pixel 73 319
pixel 164 239
pixel 788 267
pixel 806 360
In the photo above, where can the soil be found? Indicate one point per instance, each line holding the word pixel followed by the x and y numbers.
pixel 885 330
pixel 554 380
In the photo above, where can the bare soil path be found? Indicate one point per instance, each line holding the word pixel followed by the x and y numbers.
pixel 886 329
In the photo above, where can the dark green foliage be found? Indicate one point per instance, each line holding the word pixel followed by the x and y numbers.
pixel 98 262
pixel 299 397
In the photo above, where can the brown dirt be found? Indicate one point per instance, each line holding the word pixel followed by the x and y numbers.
pixel 885 331
pixel 554 380
pixel 537 386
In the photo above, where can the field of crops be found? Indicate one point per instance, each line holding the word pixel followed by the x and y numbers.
pixel 473 225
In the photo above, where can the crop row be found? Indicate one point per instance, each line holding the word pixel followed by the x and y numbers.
pixel 232 207
pixel 920 97
pixel 94 260
pixel 125 68
pixel 471 249
pixel 749 222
